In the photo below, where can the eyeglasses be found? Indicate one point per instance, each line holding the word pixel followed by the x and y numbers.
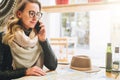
pixel 33 14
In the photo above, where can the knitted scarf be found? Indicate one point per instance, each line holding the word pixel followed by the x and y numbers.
pixel 26 50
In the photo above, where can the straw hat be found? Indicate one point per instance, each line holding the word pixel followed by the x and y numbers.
pixel 83 63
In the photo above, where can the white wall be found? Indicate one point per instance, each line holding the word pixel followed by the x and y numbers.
pixel 47 2
pixel 100 35
pixel 52 23
pixel 116 25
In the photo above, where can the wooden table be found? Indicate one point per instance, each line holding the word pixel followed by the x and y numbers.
pixel 64 72
pixel 115 75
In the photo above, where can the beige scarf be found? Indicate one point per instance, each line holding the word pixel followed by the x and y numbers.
pixel 26 50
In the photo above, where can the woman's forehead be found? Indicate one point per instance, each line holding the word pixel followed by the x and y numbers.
pixel 32 6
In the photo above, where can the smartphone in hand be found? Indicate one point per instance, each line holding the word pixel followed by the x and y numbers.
pixel 37 26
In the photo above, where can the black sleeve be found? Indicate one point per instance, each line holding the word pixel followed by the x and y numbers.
pixel 50 60
pixel 6 70
pixel 12 74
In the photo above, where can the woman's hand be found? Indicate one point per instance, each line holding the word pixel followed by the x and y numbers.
pixel 42 33
pixel 35 71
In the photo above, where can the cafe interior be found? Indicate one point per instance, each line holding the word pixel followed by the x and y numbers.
pixel 81 28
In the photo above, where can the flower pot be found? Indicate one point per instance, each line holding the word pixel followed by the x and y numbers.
pixel 61 2
pixel 94 0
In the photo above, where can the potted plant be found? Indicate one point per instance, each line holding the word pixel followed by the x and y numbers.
pixel 61 2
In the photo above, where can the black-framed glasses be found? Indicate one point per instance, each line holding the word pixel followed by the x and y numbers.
pixel 33 14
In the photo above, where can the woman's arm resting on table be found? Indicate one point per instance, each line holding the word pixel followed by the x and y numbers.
pixel 12 74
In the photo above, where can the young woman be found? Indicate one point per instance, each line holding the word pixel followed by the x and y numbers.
pixel 23 50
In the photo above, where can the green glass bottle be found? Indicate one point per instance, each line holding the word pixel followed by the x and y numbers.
pixel 109 58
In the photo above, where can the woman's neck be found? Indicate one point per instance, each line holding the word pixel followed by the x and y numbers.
pixel 26 30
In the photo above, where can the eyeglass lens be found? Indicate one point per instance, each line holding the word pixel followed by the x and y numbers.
pixel 33 14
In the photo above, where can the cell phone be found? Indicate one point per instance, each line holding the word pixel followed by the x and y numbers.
pixel 37 26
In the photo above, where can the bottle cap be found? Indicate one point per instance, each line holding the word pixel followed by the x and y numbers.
pixel 109 44
pixel 116 49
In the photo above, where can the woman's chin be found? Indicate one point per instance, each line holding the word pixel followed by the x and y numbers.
pixel 31 27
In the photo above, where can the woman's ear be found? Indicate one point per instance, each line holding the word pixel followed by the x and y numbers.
pixel 18 14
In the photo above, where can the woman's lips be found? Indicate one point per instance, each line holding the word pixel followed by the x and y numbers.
pixel 32 22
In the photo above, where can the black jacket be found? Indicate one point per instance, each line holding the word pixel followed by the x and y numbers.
pixel 6 69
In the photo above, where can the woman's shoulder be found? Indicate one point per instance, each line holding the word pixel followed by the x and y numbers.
pixel 1 34
pixel 1 37
pixel 2 45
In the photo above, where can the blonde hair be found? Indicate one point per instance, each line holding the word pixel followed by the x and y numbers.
pixel 9 34
pixel 11 28
pixel 20 5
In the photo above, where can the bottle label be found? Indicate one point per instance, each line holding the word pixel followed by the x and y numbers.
pixel 116 65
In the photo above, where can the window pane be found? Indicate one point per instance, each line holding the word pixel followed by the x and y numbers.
pixel 76 25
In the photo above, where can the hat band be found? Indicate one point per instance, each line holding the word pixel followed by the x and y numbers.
pixel 81 69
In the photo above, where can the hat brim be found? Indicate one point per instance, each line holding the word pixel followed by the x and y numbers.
pixel 87 70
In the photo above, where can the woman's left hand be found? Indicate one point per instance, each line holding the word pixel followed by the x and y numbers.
pixel 42 33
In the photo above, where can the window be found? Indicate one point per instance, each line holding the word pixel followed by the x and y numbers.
pixel 76 25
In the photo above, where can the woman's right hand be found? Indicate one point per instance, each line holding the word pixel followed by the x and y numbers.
pixel 35 71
